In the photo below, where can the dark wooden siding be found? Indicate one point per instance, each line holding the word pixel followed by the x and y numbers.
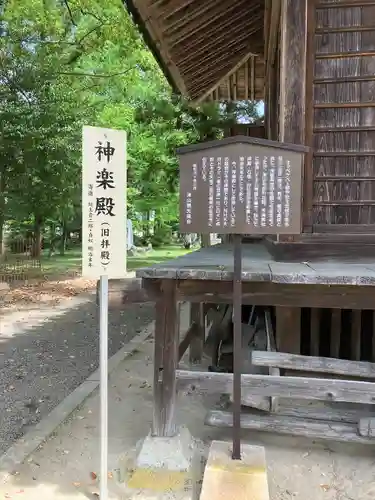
pixel 344 116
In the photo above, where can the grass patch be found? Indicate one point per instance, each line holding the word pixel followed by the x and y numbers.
pixel 155 256
pixel 70 264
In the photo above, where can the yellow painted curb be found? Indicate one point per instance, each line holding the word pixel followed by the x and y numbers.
pixel 158 480
pixel 225 478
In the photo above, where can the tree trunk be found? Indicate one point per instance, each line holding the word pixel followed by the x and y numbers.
pixel 52 240
pixel 64 238
pixel 37 244
pixel 2 209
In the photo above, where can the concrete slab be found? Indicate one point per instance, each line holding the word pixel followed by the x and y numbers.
pixel 225 478
pixel 162 465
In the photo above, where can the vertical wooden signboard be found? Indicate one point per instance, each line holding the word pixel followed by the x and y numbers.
pixel 240 185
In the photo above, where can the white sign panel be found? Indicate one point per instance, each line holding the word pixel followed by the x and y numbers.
pixel 103 203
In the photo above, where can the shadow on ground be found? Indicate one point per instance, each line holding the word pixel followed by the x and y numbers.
pixel 46 353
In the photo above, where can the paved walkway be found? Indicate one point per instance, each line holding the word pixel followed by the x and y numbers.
pixel 46 353
pixel 66 466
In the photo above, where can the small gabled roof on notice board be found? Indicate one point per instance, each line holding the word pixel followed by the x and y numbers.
pixel 241 139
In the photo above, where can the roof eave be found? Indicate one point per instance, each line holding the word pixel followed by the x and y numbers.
pixel 130 7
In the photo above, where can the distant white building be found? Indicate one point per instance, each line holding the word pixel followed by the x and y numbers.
pixel 129 234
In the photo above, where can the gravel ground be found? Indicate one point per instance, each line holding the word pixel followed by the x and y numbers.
pixel 46 353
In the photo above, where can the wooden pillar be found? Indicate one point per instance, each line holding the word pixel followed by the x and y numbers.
pixel 293 71
pixel 288 329
pixel 165 361
pixel 293 45
pixel 197 342
pixel 205 240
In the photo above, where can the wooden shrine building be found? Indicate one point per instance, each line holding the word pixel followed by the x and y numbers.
pixel 312 62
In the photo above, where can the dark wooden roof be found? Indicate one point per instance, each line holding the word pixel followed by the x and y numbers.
pixel 211 49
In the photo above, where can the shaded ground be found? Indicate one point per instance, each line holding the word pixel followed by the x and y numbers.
pixel 49 343
pixel 67 465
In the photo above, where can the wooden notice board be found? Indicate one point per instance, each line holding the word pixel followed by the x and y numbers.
pixel 241 185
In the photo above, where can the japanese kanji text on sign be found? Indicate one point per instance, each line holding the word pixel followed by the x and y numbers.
pixel 104 202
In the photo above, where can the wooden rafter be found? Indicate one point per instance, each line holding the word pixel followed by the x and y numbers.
pixel 202 44
pixel 240 63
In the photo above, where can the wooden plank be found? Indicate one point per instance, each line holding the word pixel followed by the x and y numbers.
pixel 314 331
pixel 198 336
pixel 356 335
pixel 335 333
pixel 165 361
pixel 298 387
pixel 288 329
pixel 327 412
pixel 216 263
pixel 311 363
pixel 288 425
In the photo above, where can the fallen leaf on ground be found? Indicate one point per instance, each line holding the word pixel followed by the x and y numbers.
pixel 93 475
pixel 325 487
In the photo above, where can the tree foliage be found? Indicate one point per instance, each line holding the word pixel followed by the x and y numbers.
pixel 66 63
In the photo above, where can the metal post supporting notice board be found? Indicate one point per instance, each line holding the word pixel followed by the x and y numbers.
pixel 103 301
pixel 237 345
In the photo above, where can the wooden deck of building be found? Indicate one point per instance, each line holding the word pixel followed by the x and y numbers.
pixel 216 263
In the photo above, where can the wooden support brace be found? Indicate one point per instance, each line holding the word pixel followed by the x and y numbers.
pixel 198 333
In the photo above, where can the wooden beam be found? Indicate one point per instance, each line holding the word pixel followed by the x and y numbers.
pixel 314 364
